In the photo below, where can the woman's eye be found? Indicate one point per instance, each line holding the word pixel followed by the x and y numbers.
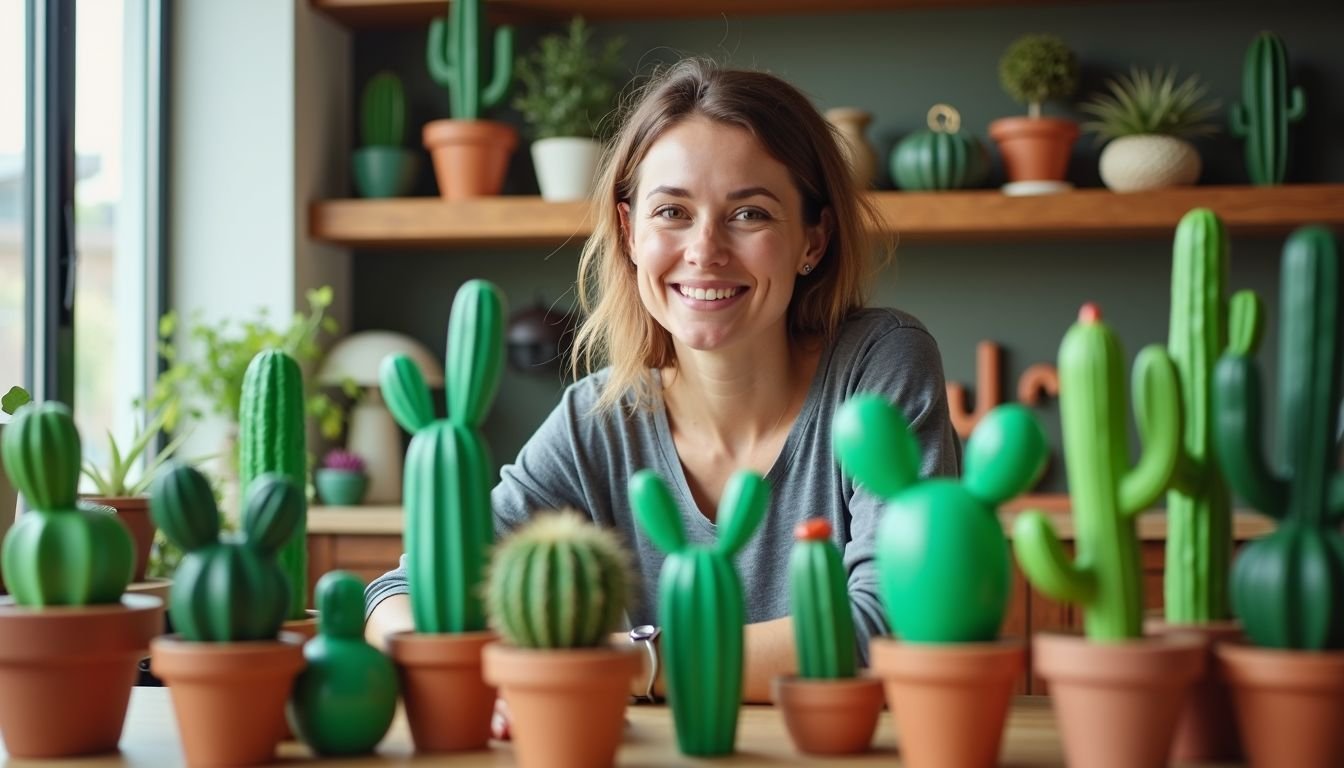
pixel 669 212
pixel 751 214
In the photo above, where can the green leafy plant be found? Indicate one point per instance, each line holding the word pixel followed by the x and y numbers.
pixel 114 479
pixel 1038 68
pixel 15 398
pixel 1151 102
pixel 567 85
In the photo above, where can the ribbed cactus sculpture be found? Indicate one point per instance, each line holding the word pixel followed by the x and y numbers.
pixel 1288 588
pixel 59 552
pixel 383 111
pixel 823 621
pixel 559 582
pixel 448 476
pixel 1106 494
pixel 457 60
pixel 230 590
pixel 1204 324
pixel 1267 108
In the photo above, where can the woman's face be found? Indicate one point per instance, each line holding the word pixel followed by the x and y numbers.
pixel 716 233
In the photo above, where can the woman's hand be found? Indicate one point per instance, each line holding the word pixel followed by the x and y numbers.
pixel 499 722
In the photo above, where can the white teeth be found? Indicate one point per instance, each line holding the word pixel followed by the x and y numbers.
pixel 711 294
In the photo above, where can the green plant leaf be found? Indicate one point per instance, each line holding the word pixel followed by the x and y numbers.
pixel 14 399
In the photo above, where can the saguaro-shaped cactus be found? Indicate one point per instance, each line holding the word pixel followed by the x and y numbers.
pixel 1288 588
pixel 232 590
pixel 700 608
pixel 1204 324
pixel 448 475
pixel 942 558
pixel 58 552
pixel 1267 107
pixel 1106 494
pixel 457 61
pixel 823 621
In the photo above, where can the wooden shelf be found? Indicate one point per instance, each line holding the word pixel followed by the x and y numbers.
pixel 972 216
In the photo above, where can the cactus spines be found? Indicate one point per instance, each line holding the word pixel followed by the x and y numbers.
pixel 447 473
pixel 1106 494
pixel 1266 109
pixel 456 60
pixel 559 582
pixel 823 621
pixel 234 590
pixel 700 607
pixel 60 552
pixel 383 111
pixel 1288 587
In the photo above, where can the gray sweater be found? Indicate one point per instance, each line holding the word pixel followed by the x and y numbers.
pixel 583 460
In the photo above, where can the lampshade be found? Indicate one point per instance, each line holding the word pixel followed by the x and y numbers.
pixel 357 357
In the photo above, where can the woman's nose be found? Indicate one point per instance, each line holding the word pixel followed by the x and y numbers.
pixel 706 247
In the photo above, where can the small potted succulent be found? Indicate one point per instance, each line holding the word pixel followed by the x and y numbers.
pixel 1146 120
pixel 341 480
pixel 382 166
pixel 1268 106
pixel 944 576
pixel 940 158
pixel 9 497
pixel 557 589
pixel 1035 149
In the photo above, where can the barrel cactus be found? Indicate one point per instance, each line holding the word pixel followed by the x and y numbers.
pixel 941 157
pixel 457 60
pixel 823 621
pixel 1267 108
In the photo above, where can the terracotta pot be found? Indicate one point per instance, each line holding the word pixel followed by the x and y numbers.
pixel 134 512
pixel 949 701
pixel 1207 729
pixel 1034 148
pixel 1117 703
pixel 829 717
pixel 1290 704
pixel 306 629
pixel 448 703
pixel 160 588
pixel 566 707
pixel 470 156
pixel 227 697
pixel 66 674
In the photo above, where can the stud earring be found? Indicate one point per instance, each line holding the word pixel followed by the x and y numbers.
pixel 807 269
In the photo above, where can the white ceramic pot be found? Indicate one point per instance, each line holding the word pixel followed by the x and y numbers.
pixel 566 167
pixel 1149 161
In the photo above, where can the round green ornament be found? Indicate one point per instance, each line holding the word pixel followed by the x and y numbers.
pixel 939 158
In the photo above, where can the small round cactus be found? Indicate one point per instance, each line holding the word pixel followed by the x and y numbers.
pixel 348 461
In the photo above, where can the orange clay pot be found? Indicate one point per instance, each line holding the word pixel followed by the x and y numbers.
pixel 829 717
pixel 470 156
pixel 66 674
pixel 566 707
pixel 949 701
pixel 448 704
pixel 1034 148
pixel 134 514
pixel 307 629
pixel 1117 703
pixel 1290 704
pixel 1207 729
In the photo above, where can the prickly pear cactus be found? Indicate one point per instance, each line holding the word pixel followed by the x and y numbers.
pixel 942 559
pixel 59 552
pixel 1267 108
pixel 823 621
pixel 700 608
pixel 1105 492
pixel 457 60
pixel 346 698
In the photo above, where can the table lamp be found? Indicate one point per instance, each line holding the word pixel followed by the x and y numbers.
pixel 373 434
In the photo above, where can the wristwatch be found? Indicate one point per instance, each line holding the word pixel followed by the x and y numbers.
pixel 645 635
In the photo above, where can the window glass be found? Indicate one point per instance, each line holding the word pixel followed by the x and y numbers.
pixel 13 118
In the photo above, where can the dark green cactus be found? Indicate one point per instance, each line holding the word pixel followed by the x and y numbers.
pixel 448 475
pixel 1204 324
pixel 457 60
pixel 1106 495
pixel 942 559
pixel 1266 109
pixel 941 157
pixel 1288 587
pixel 559 582
pixel 232 590
pixel 59 552
pixel 823 620
pixel 700 608
pixel 272 440
pixel 346 697
pixel 383 111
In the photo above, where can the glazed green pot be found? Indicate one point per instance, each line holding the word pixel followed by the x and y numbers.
pixel 384 171
pixel 340 487
pixel 941 157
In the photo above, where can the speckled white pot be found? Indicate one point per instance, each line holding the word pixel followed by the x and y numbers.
pixel 1149 161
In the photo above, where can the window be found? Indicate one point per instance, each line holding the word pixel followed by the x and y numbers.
pixel 13 301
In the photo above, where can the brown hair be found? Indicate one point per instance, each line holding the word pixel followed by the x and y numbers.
pixel 616 326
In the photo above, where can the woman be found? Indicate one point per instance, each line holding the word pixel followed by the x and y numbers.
pixel 724 285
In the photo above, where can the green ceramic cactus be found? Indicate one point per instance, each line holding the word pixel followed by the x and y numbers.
pixel 346 697
pixel 1106 494
pixel 457 60
pixel 823 620
pixel 1204 324
pixel 383 111
pixel 1288 587
pixel 943 570
pixel 1267 108
pixel 700 608
pixel 59 552
pixel 941 157
pixel 231 590
pixel 448 476
pixel 559 582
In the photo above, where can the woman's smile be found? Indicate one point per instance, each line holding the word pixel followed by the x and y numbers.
pixel 708 296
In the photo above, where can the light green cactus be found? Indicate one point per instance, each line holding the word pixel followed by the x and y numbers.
pixel 823 620
pixel 456 60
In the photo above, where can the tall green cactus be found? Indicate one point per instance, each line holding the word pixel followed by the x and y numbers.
pixel 59 552
pixel 1288 587
pixel 823 621
pixel 448 476
pixel 456 59
pixel 700 608
pixel 942 559
pixel 272 439
pixel 1204 324
pixel 1105 493
pixel 231 590
pixel 559 582
pixel 1267 107
pixel 383 111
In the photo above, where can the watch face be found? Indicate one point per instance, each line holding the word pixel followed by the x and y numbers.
pixel 643 632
